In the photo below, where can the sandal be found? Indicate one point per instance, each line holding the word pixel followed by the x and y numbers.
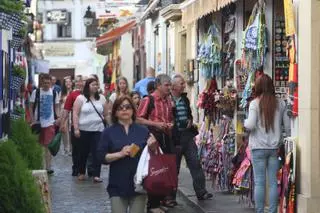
pixel 97 180
pixel 169 203
pixel 81 177
pixel 156 210
pixel 165 209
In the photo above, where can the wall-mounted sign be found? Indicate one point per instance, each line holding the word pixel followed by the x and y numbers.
pixel 40 66
pixel 115 9
pixel 54 49
pixel 57 17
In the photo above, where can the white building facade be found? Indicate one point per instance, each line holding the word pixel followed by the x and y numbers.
pixel 69 47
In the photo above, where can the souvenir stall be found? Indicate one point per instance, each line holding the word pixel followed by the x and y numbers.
pixel 229 78
pixel 284 74
pixel 216 141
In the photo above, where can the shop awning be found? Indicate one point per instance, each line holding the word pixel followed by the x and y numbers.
pixel 223 3
pixel 114 34
pixel 193 10
pixel 151 7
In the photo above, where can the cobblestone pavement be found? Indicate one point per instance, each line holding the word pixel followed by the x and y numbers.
pixel 72 196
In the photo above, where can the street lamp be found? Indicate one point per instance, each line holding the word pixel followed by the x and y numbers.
pixel 88 17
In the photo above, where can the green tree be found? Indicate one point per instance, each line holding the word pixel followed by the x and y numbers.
pixel 27 144
pixel 18 190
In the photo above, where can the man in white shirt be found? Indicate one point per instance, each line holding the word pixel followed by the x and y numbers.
pixel 44 106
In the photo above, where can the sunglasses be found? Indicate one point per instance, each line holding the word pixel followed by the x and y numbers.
pixel 124 107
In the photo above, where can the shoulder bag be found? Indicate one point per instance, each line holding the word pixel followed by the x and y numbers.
pixel 103 121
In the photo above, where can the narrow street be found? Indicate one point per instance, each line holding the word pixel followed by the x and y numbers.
pixel 71 196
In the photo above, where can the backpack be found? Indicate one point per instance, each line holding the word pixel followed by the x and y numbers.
pixel 37 103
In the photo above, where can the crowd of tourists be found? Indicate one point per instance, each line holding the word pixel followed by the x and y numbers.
pixel 156 114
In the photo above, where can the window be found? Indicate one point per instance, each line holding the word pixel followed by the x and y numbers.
pixel 93 29
pixel 65 30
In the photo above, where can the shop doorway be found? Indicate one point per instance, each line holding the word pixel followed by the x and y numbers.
pixel 61 73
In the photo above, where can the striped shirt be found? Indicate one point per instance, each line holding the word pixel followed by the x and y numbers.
pixel 181 117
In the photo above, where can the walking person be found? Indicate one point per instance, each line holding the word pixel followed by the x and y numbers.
pixel 141 86
pixel 97 78
pixel 266 116
pixel 55 85
pixel 44 110
pixel 151 87
pixel 68 106
pixel 122 89
pixel 89 117
pixel 65 91
pixel 183 135
pixel 115 149
pixel 155 111
pixel 135 96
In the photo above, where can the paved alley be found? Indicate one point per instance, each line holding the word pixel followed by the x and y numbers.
pixel 71 196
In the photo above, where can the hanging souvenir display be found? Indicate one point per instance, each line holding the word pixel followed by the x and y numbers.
pixel 216 145
pixel 286 67
pixel 207 100
pixel 209 57
pixel 293 88
pixel 281 61
pixel 289 18
pixel 286 178
pixel 254 47
pixel 228 40
pixel 242 173
pixel 227 99
pixel 229 57
pixel 293 78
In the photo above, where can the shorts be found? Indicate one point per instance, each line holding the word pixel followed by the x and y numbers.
pixel 46 135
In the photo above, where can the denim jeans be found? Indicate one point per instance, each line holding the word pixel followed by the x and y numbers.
pixel 265 160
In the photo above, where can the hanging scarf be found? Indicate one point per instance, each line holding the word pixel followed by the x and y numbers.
pixel 209 56
pixel 254 48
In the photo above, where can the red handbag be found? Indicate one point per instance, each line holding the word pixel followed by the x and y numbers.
pixel 162 177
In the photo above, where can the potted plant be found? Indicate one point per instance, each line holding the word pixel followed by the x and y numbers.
pixel 18 113
pixel 16 41
pixel 18 37
pixel 11 13
pixel 18 77
pixel 27 144
pixel 19 191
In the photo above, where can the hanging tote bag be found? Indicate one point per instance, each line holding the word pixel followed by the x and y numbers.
pixel 162 177
pixel 54 145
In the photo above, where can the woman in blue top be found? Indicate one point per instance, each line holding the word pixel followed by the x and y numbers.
pixel 114 149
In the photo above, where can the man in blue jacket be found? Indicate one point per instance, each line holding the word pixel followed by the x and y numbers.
pixel 141 86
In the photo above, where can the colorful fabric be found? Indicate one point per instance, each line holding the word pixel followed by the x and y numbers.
pixel 240 174
pixel 209 56
pixel 289 18
pixel 255 46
